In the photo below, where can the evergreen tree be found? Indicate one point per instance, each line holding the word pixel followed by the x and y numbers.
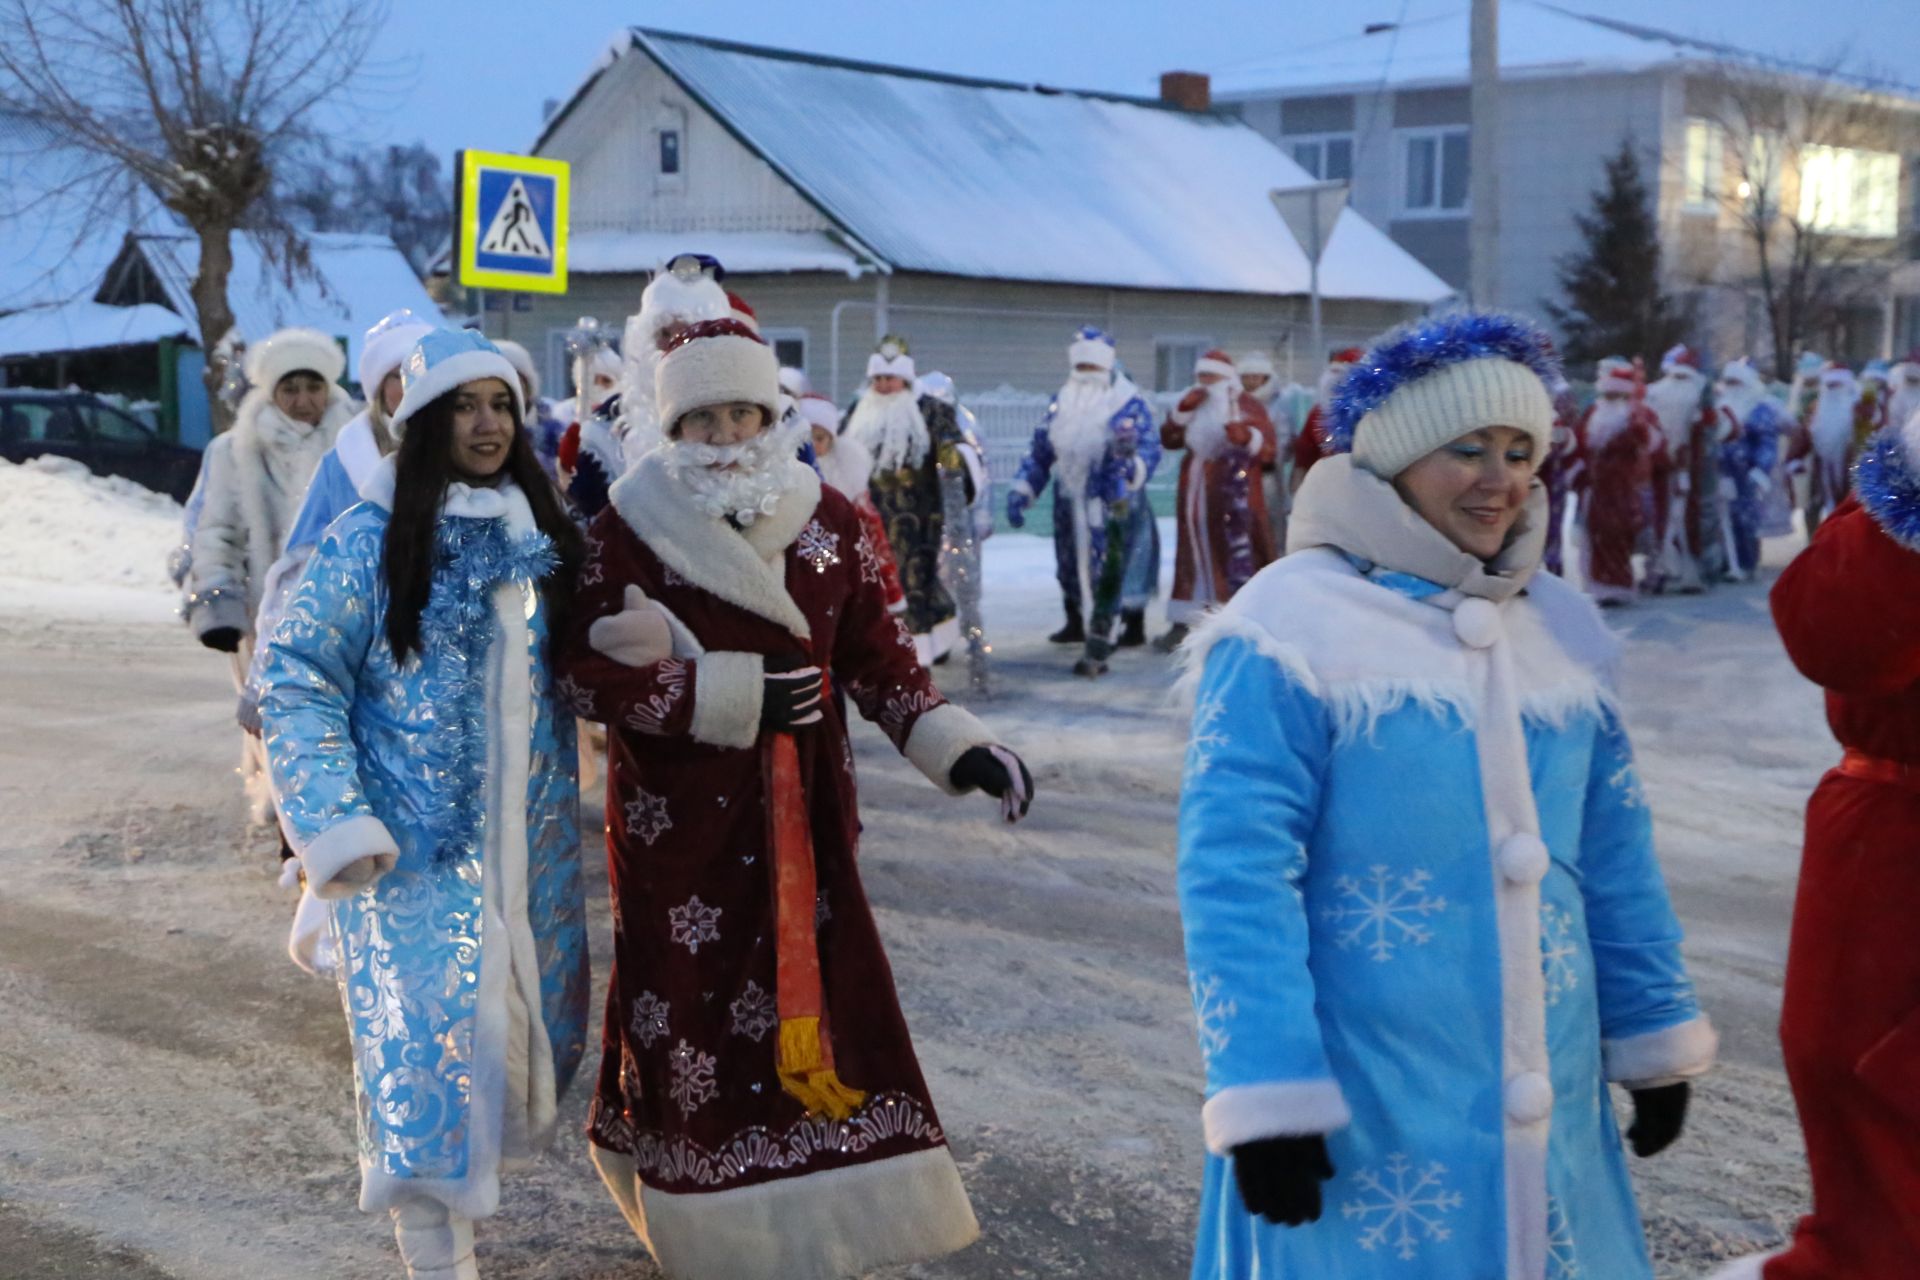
pixel 1614 302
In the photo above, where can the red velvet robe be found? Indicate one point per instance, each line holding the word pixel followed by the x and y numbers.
pixel 1848 609
pixel 718 1169
pixel 1618 475
pixel 1224 534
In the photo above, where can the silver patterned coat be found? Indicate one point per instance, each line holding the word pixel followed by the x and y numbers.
pixel 435 802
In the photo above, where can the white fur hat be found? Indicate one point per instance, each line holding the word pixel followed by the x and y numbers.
pixel 891 360
pixel 1090 346
pixel 290 351
pixel 1742 372
pixel 939 386
pixel 386 345
pixel 522 361
pixel 714 362
pixel 795 382
pixel 818 411
pixel 1215 361
pixel 1255 362
pixel 443 360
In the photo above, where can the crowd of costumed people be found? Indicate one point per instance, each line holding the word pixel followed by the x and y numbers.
pixel 447 608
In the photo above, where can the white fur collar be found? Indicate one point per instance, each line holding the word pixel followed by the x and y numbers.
pixel 477 502
pixel 356 449
pixel 743 567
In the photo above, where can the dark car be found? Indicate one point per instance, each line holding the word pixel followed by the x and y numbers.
pixel 107 440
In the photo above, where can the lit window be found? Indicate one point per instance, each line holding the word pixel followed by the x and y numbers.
pixel 1703 165
pixel 1434 172
pixel 669 151
pixel 1850 192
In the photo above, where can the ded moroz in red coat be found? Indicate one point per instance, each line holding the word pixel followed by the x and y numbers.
pixel 1619 469
pixel 1225 537
pixel 719 1170
pixel 1848 609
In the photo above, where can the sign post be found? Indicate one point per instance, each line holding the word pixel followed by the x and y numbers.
pixel 1310 213
pixel 510 223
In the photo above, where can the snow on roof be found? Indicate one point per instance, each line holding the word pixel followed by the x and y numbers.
pixel 1537 39
pixel 361 278
pixel 747 252
pixel 987 179
pixel 82 325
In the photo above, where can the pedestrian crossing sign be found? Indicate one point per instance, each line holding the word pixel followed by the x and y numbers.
pixel 512 222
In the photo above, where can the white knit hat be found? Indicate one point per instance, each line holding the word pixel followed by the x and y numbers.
pixel 386 345
pixel 290 351
pixel 443 360
pixel 1427 412
pixel 714 362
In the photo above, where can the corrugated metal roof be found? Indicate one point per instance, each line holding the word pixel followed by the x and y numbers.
pixel 978 178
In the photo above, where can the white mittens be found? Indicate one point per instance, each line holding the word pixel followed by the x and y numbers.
pixel 637 636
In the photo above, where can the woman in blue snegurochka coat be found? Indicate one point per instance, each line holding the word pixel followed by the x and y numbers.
pixel 1425 925
pixel 425 773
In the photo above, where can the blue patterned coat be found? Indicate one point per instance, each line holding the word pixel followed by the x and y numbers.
pixel 1747 460
pixel 1439 975
pixel 451 777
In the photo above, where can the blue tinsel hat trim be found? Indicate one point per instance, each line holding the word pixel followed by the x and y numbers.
pixel 1888 489
pixel 1421 347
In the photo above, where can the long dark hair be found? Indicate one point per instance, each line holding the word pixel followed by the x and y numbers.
pixel 423 470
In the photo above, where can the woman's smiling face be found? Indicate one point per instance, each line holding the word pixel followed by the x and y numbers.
pixel 1474 488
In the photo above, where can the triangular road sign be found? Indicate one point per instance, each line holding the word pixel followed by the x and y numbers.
pixel 515 229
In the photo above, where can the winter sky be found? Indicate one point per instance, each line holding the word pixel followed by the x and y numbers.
pixel 474 73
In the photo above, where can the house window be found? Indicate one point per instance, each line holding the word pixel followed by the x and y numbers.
pixel 1173 361
pixel 1329 158
pixel 1850 192
pixel 789 347
pixel 1433 166
pixel 1703 174
pixel 669 151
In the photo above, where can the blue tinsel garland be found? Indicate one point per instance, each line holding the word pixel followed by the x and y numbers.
pixel 1888 489
pixel 471 558
pixel 1422 346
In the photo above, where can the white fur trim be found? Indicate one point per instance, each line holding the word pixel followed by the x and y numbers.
pixel 356 449
pixel 1091 351
pixel 1206 364
pixel 939 738
pixel 383 351
pixel 1667 1056
pixel 728 690
pixel 820 1226
pixel 310 942
pixel 455 371
pixel 1277 1109
pixel 709 371
pixel 349 856
pixel 900 366
pixel 1022 488
pixel 1747 1268
pixel 743 567
pixel 291 350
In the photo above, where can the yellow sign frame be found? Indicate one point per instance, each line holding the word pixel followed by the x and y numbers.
pixel 470 271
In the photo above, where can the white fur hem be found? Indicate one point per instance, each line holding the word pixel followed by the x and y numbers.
pixel 1281 1109
pixel 1667 1056
pixel 1747 1268
pixel 349 856
pixel 728 689
pixel 819 1226
pixel 939 738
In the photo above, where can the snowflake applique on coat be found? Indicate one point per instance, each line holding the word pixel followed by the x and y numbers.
pixel 1206 738
pixel 693 1082
pixel 754 1013
pixel 1399 1208
pixel 1212 1014
pixel 870 566
pixel 818 547
pixel 1382 912
pixel 650 1018
pixel 1563 1259
pixel 646 816
pixel 577 697
pixel 694 924
pixel 593 570
pixel 1559 953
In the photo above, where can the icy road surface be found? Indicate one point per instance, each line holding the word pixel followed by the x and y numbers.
pixel 174 1095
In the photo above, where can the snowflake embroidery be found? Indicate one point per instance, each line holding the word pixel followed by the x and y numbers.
pixel 694 924
pixel 870 568
pixel 650 715
pixel 1212 1013
pixel 1563 1259
pixel 818 547
pixel 904 636
pixel 1625 781
pixel 1206 738
pixel 1383 911
pixel 692 1078
pixel 592 570
pixel 754 1013
pixel 647 816
pixel 575 696
pixel 650 1019
pixel 1559 953
pixel 1397 1207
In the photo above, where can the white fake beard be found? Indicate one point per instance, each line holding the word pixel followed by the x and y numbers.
pixel 1608 421
pixel 1831 426
pixel 1207 431
pixel 751 488
pixel 1674 400
pixel 1905 403
pixel 1740 403
pixel 1080 432
pixel 892 429
pixel 848 467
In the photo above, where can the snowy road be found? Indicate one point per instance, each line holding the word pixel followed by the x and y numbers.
pixel 174 1095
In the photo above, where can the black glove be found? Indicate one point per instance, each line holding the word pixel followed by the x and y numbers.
pixel 1658 1116
pixel 791 697
pixel 225 639
pixel 980 767
pixel 1280 1177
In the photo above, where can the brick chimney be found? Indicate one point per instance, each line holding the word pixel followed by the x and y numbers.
pixel 1187 90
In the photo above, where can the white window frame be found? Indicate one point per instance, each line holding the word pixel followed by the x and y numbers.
pixel 669 117
pixel 1200 344
pixel 1321 140
pixel 1712 167
pixel 1856 213
pixel 790 333
pixel 1403 150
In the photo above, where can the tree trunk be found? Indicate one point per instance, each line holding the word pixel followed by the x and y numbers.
pixel 216 316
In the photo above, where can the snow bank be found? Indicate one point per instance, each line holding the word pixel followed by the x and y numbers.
pixel 78 544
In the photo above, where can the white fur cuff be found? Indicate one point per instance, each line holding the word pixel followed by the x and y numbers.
pixel 728 689
pixel 1280 1109
pixel 939 738
pixel 1022 488
pixel 1666 1056
pixel 349 856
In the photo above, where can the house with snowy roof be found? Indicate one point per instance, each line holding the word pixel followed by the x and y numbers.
pixel 984 220
pixel 1386 108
